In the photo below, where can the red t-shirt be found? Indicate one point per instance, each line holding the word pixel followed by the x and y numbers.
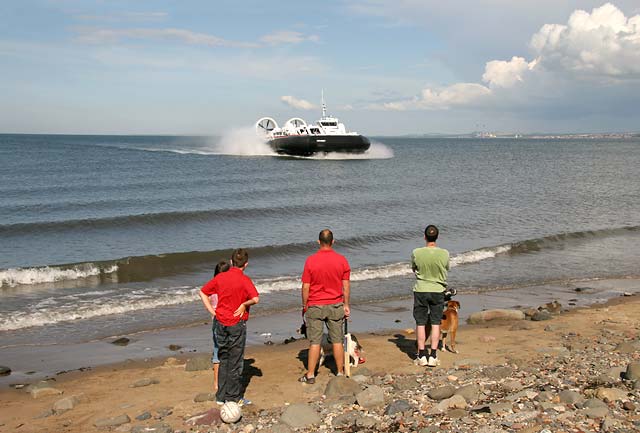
pixel 325 271
pixel 233 288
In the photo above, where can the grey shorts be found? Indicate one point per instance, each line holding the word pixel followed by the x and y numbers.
pixel 428 307
pixel 317 315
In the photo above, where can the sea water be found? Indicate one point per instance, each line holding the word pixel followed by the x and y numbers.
pixel 108 235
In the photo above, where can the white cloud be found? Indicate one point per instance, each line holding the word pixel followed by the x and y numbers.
pixel 601 47
pixel 126 16
pixel 100 36
pixel 287 37
pixel 299 104
pixel 604 42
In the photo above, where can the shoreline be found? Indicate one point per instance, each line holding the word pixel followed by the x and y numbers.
pixel 273 370
pixel 376 317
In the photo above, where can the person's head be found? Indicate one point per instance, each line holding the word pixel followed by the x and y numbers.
pixel 325 238
pixel 222 266
pixel 239 258
pixel 431 233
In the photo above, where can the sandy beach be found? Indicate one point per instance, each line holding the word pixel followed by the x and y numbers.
pixel 163 388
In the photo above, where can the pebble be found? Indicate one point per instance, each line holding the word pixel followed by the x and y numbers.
pixel 122 341
pixel 4 371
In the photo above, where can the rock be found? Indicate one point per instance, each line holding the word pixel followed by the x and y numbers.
pixel 42 389
pixel 570 397
pixel 593 402
pixel 519 326
pixel 553 307
pixel 544 396
pixel 280 428
pixel 199 363
pixel 174 347
pixel 363 379
pixel 493 315
pixel 204 396
pixel 541 315
pixel 500 407
pixel 348 419
pixel 471 393
pixel 633 371
pixel 65 404
pixel 210 417
pixel 144 416
pixel 4 371
pixel 144 382
pixel 113 421
pixel 371 397
pixel 164 412
pixel 404 383
pixel 627 405
pixel 340 388
pixel 455 402
pixel 628 347
pixel 611 394
pixel 442 392
pixel 366 422
pixel 522 416
pixel 596 412
pixel 398 406
pixel 300 415
pixel 498 373
pixel 456 413
pixel 122 341
pixel 154 428
pixel 512 386
pixel 45 414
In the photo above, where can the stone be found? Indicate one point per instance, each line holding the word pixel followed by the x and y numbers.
pixel 300 415
pixel 498 373
pixel 210 417
pixel 442 392
pixel 522 416
pixel 112 421
pixel 456 413
pixel 341 387
pixel 627 405
pixel 471 393
pixel 4 371
pixel 366 422
pixel 45 414
pixel 122 341
pixel 541 315
pixel 144 382
pixel 280 428
pixel 520 326
pixel 404 383
pixel 500 407
pixel 42 389
pixel 174 347
pixel 466 363
pixel 611 394
pixel 495 315
pixel 204 396
pixel 596 412
pixel 455 402
pixel 144 416
pixel 628 347
pixel 593 402
pixel 570 397
pixel 544 396
pixel 348 419
pixel 199 363
pixel 371 397
pixel 512 386
pixel 359 378
pixel 398 406
pixel 65 404
pixel 633 371
pixel 154 428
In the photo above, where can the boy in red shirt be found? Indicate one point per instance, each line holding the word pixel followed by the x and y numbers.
pixel 236 293
pixel 325 299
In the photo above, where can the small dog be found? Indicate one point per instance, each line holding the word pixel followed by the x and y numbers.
pixel 354 349
pixel 449 325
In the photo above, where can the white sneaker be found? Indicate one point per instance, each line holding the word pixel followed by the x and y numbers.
pixel 421 360
pixel 433 362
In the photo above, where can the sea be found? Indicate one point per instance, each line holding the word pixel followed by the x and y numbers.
pixel 102 236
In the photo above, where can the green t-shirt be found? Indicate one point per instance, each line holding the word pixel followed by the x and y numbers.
pixel 430 264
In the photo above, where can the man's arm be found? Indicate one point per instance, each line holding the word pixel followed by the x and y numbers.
pixel 305 295
pixel 243 307
pixel 207 303
pixel 346 291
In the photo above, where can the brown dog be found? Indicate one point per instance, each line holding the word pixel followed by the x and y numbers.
pixel 449 325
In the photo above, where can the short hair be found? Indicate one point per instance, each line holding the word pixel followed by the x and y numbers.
pixel 240 257
pixel 222 266
pixel 325 237
pixel 431 233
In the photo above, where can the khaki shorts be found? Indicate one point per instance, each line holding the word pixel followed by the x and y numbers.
pixel 332 315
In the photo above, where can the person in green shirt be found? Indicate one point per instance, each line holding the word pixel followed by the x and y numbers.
pixel 430 265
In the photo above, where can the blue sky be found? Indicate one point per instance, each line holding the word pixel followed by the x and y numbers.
pixel 386 67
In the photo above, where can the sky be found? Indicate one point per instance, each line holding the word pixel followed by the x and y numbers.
pixel 386 67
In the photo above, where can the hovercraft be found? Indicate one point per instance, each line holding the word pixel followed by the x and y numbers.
pixel 297 138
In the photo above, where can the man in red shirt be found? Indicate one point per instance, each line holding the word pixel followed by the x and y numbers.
pixel 236 293
pixel 325 299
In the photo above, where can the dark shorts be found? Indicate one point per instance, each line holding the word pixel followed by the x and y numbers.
pixel 428 307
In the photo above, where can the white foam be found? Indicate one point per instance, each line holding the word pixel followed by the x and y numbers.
pixel 243 142
pixel 479 255
pixel 376 151
pixel 18 276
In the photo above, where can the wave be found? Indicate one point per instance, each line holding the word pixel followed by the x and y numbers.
pixel 51 312
pixel 26 276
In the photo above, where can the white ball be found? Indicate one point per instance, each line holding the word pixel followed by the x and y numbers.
pixel 230 412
